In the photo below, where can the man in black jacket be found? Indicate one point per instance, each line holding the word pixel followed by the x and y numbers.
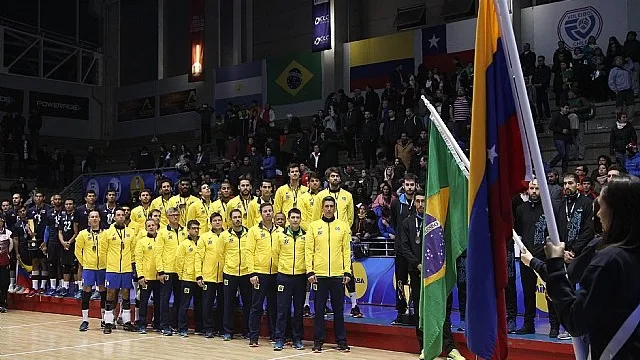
pixel 369 140
pixel 531 225
pixel 352 121
pixel 410 247
pixel 561 128
pixel 574 218
pixel 541 79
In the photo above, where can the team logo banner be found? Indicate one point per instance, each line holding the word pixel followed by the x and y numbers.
pixel 178 102
pixel 321 25
pixel 137 109
pixel 62 106
pixel 126 185
pixel 11 99
pixel 577 25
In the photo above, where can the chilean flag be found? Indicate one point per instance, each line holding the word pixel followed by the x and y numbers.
pixel 445 46
pixel 496 171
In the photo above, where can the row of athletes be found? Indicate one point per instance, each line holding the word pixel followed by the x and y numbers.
pixel 264 262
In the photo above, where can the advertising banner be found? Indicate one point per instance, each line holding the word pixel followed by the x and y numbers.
pixel 126 185
pixel 62 106
pixel 137 109
pixel 178 102
pixel 11 99
pixel 196 37
pixel 321 25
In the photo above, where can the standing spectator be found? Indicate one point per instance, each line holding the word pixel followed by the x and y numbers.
pixel 231 148
pixel 412 125
pixel 371 100
pixel 18 124
pixel 68 163
pixel 390 134
pixel 314 159
pixel 631 51
pixel 541 79
pixel 460 114
pixel 205 123
pixel 268 117
pixel 9 154
pixel 528 60
pixel 404 149
pixel 329 122
pixel 90 161
pixel 579 113
pixel 219 131
pixel 145 159
pixel 268 165
pixel 34 125
pixel 369 140
pixel 621 135
pixel 621 83
pixel 561 127
pixel 300 147
pixel 352 122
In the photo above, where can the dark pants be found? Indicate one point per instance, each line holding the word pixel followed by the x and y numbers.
pixel 154 287
pixel 529 280
pixel 205 133
pixel 290 287
pixel 212 317
pixel 563 154
pixel 329 287
pixel 4 285
pixel 170 319
pixel 220 147
pixel 231 285
pixel 621 159
pixel 510 292
pixel 416 283
pixel 369 154
pixel 265 289
pixel 461 282
pixel 349 139
pixel 8 164
pixel 402 278
pixel 448 343
pixel 542 103
pixel 190 290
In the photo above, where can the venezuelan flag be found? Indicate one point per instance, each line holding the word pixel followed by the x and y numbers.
pixel 497 168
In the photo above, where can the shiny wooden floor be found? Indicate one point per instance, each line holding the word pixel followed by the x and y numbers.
pixel 31 335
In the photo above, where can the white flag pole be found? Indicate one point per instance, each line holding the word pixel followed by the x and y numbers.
pixel 525 116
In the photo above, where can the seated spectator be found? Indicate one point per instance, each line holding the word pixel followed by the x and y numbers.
pixel 365 225
pixel 622 134
pixel 383 200
pixel 588 189
pixel 231 148
pixel 361 196
pixel 384 225
pixel 367 181
pixel 632 164
pixel 600 180
pixel 602 160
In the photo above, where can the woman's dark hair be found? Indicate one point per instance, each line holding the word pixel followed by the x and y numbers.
pixel 622 196
pixel 597 224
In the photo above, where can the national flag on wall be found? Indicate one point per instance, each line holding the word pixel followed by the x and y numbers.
pixel 294 78
pixel 445 236
pixel 240 84
pixel 497 169
pixel 445 45
pixel 374 61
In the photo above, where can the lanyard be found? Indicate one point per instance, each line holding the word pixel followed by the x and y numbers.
pixel 121 234
pixel 419 228
pixel 566 206
pixel 245 205
pixel 336 195
pixel 295 195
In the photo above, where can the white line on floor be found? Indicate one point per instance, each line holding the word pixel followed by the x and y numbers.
pixel 79 346
pixel 299 354
pixel 37 324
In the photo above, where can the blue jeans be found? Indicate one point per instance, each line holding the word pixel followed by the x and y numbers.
pixel 563 154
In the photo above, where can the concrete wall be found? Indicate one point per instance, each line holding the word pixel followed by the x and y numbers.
pixel 281 27
pixel 61 127
pixel 161 124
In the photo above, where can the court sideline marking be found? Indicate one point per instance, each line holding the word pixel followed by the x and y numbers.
pixel 78 346
pixel 38 324
pixel 299 354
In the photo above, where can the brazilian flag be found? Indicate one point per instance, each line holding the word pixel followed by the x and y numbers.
pixel 294 78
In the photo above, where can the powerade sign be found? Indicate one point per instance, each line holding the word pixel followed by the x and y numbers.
pixel 62 106
pixel 321 25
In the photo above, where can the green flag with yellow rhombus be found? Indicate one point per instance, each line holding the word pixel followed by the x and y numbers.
pixel 294 78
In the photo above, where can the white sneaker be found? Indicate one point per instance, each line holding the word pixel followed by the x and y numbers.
pixel 21 290
pixel 12 289
pixel 564 336
pixel 421 357
pixel 455 355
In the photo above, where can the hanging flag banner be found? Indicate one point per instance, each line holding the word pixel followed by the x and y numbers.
pixel 137 109
pixel 196 36
pixel 178 102
pixel 62 106
pixel 11 99
pixel 321 25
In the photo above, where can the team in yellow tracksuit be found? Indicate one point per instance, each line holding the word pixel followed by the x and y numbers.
pixel 162 202
pixel 201 210
pixel 241 203
pixel 146 245
pixel 182 203
pixel 220 205
pixel 209 274
pixel 186 269
pixel 263 270
pixel 169 237
pixel 233 253
pixel 253 213
pixel 289 196
pixel 307 206
pixel 289 252
pixel 344 204
pixel 140 213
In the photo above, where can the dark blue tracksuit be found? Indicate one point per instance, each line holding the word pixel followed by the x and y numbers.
pixel 326 286
pixel 290 287
pixel 265 289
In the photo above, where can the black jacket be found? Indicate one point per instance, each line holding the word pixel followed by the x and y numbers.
pixel 558 123
pixel 576 269
pixel 531 224
pixel 620 138
pixel 409 244
pixel 577 236
pixel 541 75
pixel 609 292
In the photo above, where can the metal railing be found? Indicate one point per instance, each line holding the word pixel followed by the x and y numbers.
pixel 379 247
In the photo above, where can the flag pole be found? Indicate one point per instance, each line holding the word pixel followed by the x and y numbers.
pixel 525 115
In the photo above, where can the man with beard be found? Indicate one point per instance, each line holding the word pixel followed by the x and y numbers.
pixel 162 201
pixel 140 213
pixel 107 210
pixel 555 190
pixel 266 189
pixel 53 247
pixel 344 209
pixel 575 225
pixel 400 209
pixel 202 210
pixel 183 200
pixel 287 196
pixel 38 214
pixel 531 225
pixel 242 201
pixel 220 205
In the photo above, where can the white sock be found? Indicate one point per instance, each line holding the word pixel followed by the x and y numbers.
pixel 121 311
pixel 108 317
pixel 306 299
pixel 85 315
pixel 34 283
pixel 79 285
pixel 354 300
pixel 12 281
pixel 43 282
pixel 126 316
pixel 65 284
pixel 102 311
pixel 53 283
pixel 137 312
